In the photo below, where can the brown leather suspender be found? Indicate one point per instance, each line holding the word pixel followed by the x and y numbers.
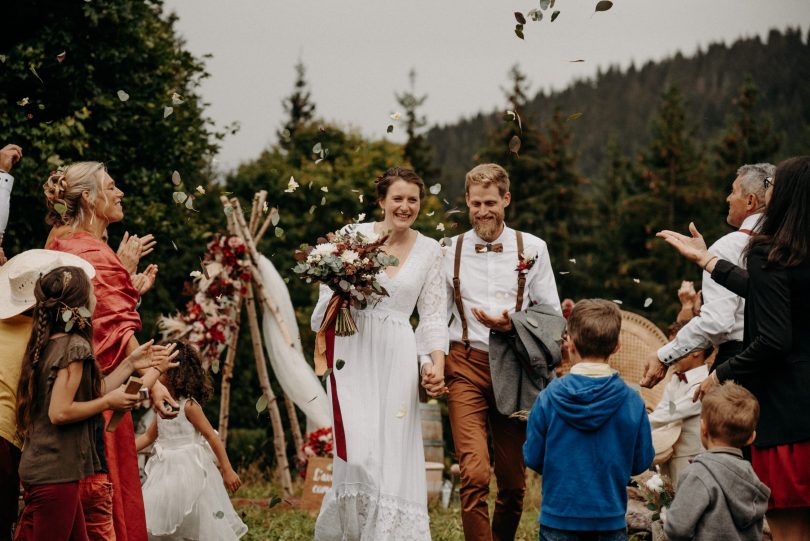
pixel 457 285
pixel 521 275
pixel 457 292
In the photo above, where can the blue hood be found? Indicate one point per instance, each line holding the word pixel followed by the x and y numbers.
pixel 585 402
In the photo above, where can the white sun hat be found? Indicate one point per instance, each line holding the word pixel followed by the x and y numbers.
pixel 20 274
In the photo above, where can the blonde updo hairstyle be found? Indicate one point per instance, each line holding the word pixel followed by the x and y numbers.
pixel 64 189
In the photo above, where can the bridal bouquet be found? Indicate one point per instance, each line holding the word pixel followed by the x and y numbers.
pixel 348 262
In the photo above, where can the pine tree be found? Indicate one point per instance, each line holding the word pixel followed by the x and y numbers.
pixel 417 150
pixel 748 137
pixel 676 192
pixel 526 167
pixel 298 107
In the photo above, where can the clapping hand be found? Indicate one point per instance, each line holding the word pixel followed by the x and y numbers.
pixel 144 281
pixel 133 248
pixel 148 355
pixel 692 248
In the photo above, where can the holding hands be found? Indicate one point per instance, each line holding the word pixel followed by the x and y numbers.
pixel 433 380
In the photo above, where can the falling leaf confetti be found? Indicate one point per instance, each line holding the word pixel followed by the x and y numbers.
pixel 292 185
pixel 23 102
pixel 361 216
pixel 535 15
pixel 617 301
pixel 431 213
pixel 440 227
pixel 261 404
pixel 647 302
pixel 396 116
pixel 574 116
pixel 555 15
pixel 123 96
pixel 435 189
pixel 176 179
pixel 603 5
pixel 61 57
pixel 167 111
pixel 520 18
pixel 389 129
pixel 195 274
pixel 325 189
pixel 519 31
pixel 279 232
pixel 339 364
pixel 514 144
pixel 177 99
pixel 200 190
pixel 572 260
pixel 578 60
pixel 636 280
pixel 402 411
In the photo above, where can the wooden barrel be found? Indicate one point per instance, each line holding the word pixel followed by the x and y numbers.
pixel 432 435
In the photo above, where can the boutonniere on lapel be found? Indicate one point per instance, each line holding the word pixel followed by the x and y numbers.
pixel 527 259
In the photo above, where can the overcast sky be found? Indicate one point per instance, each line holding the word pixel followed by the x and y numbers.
pixel 358 52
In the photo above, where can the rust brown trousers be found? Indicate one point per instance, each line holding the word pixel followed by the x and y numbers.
pixel 471 405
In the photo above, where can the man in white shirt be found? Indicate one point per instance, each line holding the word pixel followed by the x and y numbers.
pixel 9 156
pixel 491 271
pixel 721 318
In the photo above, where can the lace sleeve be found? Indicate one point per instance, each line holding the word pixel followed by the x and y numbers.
pixel 431 334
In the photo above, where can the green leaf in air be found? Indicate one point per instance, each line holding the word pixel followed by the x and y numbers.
pixel 535 15
pixel 520 18
pixel 340 363
pixel 261 404
pixel 555 15
pixel 519 31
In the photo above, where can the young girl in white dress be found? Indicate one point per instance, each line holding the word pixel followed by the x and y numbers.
pixel 379 490
pixel 184 493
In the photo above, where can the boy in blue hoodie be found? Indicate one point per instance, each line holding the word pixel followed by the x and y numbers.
pixel 587 434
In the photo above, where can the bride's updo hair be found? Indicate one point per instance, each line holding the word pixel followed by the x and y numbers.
pixel 63 193
pixel 393 174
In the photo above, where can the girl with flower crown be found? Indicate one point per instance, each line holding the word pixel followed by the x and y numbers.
pixel 59 400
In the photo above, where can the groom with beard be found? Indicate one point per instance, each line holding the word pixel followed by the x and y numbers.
pixel 491 272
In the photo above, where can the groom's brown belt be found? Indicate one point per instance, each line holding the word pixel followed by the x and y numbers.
pixel 457 285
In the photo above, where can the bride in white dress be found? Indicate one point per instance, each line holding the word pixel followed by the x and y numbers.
pixel 379 492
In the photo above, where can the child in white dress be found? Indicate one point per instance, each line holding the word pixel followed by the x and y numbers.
pixel 184 494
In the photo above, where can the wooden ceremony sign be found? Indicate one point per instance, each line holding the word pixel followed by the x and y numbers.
pixel 317 483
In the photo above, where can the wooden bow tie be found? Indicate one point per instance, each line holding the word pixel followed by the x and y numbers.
pixel 484 248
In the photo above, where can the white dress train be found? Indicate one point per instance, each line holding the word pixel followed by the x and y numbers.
pixel 379 492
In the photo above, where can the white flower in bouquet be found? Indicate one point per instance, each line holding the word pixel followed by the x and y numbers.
pixel 370 237
pixel 349 256
pixel 655 483
pixel 324 249
pixel 530 253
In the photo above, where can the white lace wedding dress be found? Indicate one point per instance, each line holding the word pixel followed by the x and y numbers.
pixel 379 492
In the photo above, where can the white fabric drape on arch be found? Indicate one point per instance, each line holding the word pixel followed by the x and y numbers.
pixel 294 374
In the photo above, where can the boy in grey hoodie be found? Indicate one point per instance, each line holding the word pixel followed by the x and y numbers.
pixel 719 496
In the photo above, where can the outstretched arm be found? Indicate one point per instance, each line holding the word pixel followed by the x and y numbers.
pixel 147 438
pixel 197 417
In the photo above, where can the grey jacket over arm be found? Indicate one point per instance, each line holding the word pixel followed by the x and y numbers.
pixel 522 361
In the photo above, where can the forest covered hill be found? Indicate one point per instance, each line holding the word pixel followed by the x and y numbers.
pixel 621 104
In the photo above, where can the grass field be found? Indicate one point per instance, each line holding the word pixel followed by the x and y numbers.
pixel 284 523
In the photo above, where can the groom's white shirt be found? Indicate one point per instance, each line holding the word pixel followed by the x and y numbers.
pixel 489 281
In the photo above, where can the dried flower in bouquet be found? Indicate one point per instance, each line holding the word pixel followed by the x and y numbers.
pixel 348 262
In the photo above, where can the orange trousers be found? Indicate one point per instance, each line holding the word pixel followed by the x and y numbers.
pixel 471 405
